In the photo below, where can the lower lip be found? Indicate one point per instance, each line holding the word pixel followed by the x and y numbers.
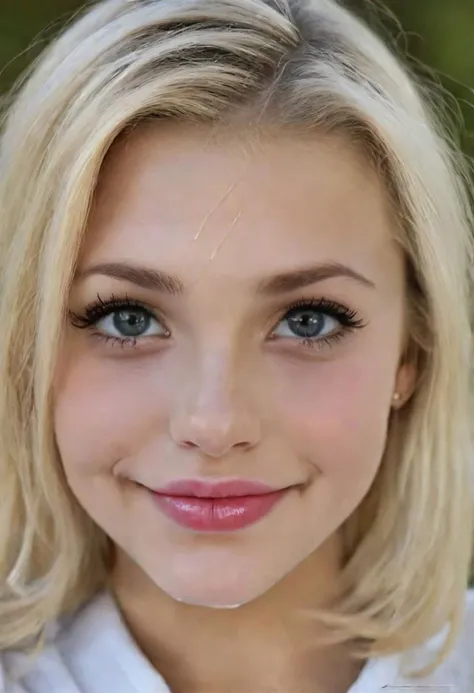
pixel 217 514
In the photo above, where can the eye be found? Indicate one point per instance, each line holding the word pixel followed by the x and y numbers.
pixel 306 323
pixel 317 322
pixel 120 320
pixel 130 323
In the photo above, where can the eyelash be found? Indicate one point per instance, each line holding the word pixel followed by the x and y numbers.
pixel 347 317
pixel 100 308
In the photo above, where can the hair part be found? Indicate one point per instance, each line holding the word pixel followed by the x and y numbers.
pixel 303 65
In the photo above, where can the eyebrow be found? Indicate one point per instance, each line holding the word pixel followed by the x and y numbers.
pixel 284 282
pixel 141 276
pixel 298 279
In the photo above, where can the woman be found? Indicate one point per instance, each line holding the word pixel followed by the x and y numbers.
pixel 235 358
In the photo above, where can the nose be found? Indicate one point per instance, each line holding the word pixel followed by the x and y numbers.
pixel 214 411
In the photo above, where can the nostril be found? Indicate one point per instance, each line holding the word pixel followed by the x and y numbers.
pixel 188 444
pixel 243 445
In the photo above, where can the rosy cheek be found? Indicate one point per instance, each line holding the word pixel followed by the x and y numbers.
pixel 336 414
pixel 105 409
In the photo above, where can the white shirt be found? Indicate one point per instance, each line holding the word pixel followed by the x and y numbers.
pixel 94 653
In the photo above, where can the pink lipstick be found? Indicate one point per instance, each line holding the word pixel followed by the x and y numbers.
pixel 224 506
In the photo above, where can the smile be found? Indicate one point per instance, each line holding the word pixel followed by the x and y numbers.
pixel 221 507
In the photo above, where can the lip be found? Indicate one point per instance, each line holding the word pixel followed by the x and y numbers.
pixel 224 506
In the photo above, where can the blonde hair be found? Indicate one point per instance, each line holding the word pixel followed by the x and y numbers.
pixel 309 65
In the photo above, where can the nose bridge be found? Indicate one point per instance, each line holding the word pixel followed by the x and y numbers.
pixel 214 410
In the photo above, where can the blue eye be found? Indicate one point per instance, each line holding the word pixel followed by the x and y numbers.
pixel 120 320
pixel 306 323
pixel 316 321
pixel 130 323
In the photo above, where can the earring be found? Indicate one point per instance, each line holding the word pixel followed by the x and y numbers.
pixel 396 397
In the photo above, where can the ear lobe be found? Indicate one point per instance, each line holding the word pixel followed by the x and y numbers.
pixel 405 383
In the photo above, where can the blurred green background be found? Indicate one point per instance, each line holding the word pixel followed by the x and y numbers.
pixel 439 33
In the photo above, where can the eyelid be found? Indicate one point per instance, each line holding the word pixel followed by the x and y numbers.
pixel 347 318
pixel 336 309
pixel 101 308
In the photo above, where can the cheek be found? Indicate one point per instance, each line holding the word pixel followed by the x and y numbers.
pixel 336 415
pixel 103 409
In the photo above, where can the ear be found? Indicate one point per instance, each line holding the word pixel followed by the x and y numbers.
pixel 405 383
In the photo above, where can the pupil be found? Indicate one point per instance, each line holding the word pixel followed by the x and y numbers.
pixel 131 323
pixel 306 324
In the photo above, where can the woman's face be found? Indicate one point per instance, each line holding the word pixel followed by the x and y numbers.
pixel 237 320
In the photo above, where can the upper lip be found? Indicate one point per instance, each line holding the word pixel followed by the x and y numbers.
pixel 232 488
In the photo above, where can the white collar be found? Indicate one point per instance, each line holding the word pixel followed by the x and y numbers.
pixel 98 634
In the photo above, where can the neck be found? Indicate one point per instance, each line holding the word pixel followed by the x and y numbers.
pixel 265 645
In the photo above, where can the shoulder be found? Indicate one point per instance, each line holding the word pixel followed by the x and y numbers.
pixel 43 672
pixel 456 673
pixel 457 670
pixel 90 651
pixel 52 669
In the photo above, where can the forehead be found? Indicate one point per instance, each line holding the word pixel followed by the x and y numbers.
pixel 179 197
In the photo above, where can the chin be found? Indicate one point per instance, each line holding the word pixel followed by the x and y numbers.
pixel 212 594
pixel 208 600
pixel 214 586
pixel 206 605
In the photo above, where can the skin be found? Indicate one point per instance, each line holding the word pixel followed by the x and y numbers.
pixel 223 388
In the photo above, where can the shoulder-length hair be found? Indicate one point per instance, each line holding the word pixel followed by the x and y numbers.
pixel 304 65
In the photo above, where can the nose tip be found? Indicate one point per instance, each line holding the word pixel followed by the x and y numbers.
pixel 217 409
pixel 215 436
